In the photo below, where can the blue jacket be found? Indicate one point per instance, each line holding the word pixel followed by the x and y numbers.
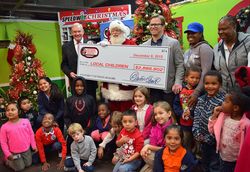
pixel 188 162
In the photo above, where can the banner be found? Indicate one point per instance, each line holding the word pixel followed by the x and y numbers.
pixel 129 65
pixel 100 14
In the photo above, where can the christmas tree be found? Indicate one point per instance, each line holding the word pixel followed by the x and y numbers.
pixel 148 8
pixel 26 69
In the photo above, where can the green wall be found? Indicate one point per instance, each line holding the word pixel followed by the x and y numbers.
pixel 206 12
pixel 46 37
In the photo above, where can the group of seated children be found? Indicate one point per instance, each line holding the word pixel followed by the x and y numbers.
pixel 145 137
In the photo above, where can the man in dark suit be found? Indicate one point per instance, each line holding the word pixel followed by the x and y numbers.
pixel 70 55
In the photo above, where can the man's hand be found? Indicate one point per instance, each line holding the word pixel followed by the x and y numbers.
pixel 45 166
pixel 86 164
pixel 176 88
pixel 72 75
pixel 100 152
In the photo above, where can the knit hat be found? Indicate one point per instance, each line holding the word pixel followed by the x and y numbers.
pixel 118 24
pixel 194 27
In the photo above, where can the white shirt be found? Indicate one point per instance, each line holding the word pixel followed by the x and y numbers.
pixel 140 114
pixel 77 45
pixel 227 52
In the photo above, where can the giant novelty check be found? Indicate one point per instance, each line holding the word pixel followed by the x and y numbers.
pixel 130 65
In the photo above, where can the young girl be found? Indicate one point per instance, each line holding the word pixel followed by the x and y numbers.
pixel 16 138
pixel 143 111
pixel 50 100
pixel 203 110
pixel 229 124
pixel 173 157
pixel 162 118
pixel 49 139
pixel 109 140
pixel 80 108
pixel 102 123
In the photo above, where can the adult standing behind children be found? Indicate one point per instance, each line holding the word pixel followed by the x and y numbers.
pixel 199 54
pixel 70 58
pixel 50 100
pixel 119 96
pixel 176 67
pixel 231 52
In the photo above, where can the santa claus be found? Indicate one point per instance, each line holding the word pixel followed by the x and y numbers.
pixel 119 96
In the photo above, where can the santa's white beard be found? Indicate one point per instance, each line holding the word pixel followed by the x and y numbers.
pixel 117 40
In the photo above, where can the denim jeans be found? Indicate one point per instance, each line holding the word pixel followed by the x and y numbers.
pixel 131 166
pixel 48 148
pixel 69 164
pixel 210 159
pixel 227 166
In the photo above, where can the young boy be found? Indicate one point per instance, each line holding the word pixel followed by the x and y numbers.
pixel 27 111
pixel 130 143
pixel 83 150
pixel 180 105
pixel 50 138
pixel 203 110
pixel 116 123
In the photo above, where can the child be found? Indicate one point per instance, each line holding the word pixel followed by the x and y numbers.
pixel 80 108
pixel 116 123
pixel 229 124
pixel 173 157
pixel 102 123
pixel 50 100
pixel 27 111
pixel 180 105
pixel 203 110
pixel 143 111
pixel 50 138
pixel 162 118
pixel 16 138
pixel 83 150
pixel 130 143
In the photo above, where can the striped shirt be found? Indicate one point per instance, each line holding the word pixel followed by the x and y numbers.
pixel 203 110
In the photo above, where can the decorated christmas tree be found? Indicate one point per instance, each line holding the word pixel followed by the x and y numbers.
pixel 26 69
pixel 148 8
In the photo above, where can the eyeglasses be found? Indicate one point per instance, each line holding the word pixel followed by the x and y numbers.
pixel 155 25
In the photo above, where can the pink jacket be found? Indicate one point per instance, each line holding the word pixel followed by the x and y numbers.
pixel 148 125
pixel 17 137
pixel 156 137
pixel 215 126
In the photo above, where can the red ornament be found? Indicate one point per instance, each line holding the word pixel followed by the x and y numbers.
pixel 166 12
pixel 139 2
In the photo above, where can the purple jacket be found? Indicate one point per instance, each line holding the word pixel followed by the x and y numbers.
pixel 147 119
pixel 156 136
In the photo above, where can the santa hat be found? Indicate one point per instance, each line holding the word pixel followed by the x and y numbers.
pixel 118 24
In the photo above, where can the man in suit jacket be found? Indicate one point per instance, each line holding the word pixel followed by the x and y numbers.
pixel 176 61
pixel 70 57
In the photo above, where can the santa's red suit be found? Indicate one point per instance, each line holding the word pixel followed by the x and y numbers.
pixel 119 96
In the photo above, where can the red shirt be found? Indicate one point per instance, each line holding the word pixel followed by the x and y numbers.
pixel 134 144
pixel 43 139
